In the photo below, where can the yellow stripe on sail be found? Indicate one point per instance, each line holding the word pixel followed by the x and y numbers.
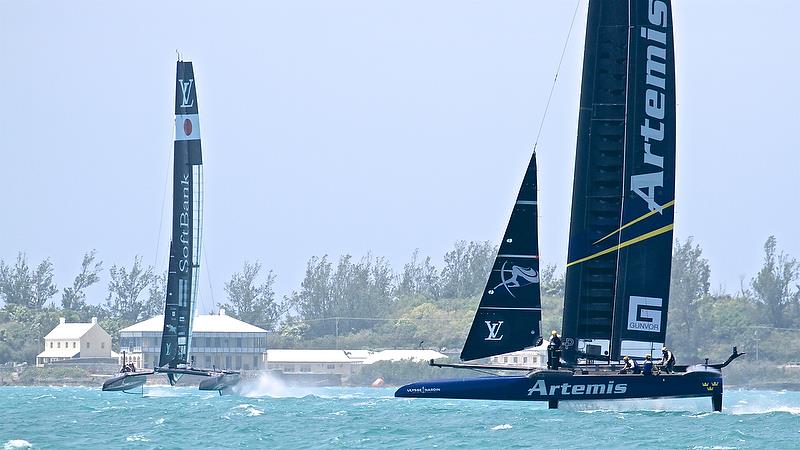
pixel 645 216
pixel 641 238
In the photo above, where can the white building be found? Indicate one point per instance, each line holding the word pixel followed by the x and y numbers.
pixel 338 362
pixel 75 341
pixel 218 340
pixel 533 357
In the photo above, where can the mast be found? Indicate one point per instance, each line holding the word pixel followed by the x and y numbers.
pixel 510 312
pixel 186 209
pixel 620 242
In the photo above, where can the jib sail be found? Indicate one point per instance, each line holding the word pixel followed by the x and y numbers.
pixel 510 311
pixel 620 241
pixel 184 251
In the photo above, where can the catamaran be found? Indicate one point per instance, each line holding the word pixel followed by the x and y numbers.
pixel 620 240
pixel 184 254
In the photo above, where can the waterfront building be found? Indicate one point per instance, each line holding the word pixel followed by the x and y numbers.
pixel 533 357
pixel 342 363
pixel 76 343
pixel 218 341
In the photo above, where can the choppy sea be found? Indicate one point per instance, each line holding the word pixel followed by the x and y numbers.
pixel 268 415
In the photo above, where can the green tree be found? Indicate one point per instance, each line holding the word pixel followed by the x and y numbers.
pixel 125 289
pixel 773 285
pixel 419 279
pixel 689 285
pixel 157 296
pixel 252 301
pixel 74 297
pixel 552 285
pixel 466 268
pixel 19 285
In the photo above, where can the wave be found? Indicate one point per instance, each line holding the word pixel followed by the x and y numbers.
pixel 268 385
pixel 17 443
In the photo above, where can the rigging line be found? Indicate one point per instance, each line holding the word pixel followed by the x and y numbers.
pixel 208 276
pixel 558 70
pixel 163 201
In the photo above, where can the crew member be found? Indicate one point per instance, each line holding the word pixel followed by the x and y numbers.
pixel 554 351
pixel 647 367
pixel 667 360
pixel 630 365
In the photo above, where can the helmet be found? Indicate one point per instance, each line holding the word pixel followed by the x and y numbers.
pixel 553 333
pixel 626 358
pixel 664 348
pixel 647 356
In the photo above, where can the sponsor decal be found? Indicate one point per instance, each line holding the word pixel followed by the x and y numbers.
pixel 183 223
pixel 541 388
pixel 186 93
pixel 168 349
pixel 652 129
pixel 644 314
pixel 494 328
pixel 422 390
pixel 518 276
pixel 710 386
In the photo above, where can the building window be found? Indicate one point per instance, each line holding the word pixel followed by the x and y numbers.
pixel 305 368
pixel 87 345
pixel 239 342
pixel 51 346
pixel 515 360
pixel 228 361
pixel 505 359
pixel 216 342
pixel 58 344
pixel 525 359
pixel 255 361
pixel 102 345
pixel 73 344
pixel 331 366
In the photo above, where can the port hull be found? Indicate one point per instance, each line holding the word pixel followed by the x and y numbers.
pixel 555 386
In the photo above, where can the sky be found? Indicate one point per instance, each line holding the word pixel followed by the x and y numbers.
pixel 359 126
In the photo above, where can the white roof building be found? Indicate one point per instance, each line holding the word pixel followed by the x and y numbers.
pixel 75 341
pixel 218 341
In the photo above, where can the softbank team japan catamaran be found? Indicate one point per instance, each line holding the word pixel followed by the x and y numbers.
pixel 620 241
pixel 184 254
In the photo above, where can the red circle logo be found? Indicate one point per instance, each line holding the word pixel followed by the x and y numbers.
pixel 187 127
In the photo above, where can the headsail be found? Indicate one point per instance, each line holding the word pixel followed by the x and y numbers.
pixel 620 242
pixel 184 246
pixel 510 311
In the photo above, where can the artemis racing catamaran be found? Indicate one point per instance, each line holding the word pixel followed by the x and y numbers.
pixel 184 253
pixel 620 241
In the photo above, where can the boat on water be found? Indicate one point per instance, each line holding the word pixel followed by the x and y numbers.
pixel 184 254
pixel 620 240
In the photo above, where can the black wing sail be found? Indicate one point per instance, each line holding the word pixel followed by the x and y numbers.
pixel 184 248
pixel 510 312
pixel 620 242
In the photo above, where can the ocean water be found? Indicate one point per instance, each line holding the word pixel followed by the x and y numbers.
pixel 268 415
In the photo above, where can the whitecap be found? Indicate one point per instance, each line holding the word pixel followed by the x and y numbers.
pixel 505 426
pixel 17 443
pixel 137 438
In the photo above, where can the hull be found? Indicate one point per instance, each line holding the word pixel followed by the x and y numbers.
pixel 125 382
pixel 220 382
pixel 555 386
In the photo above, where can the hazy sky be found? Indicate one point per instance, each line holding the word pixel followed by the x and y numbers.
pixel 334 127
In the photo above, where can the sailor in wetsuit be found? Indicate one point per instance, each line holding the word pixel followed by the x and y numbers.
pixel 554 351
pixel 647 367
pixel 667 360
pixel 630 366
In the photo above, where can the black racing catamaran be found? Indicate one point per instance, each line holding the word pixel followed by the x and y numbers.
pixel 184 253
pixel 620 241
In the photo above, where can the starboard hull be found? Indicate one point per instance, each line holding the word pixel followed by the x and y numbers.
pixel 125 382
pixel 221 382
pixel 555 386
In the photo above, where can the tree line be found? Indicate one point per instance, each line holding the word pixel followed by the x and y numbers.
pixel 363 303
